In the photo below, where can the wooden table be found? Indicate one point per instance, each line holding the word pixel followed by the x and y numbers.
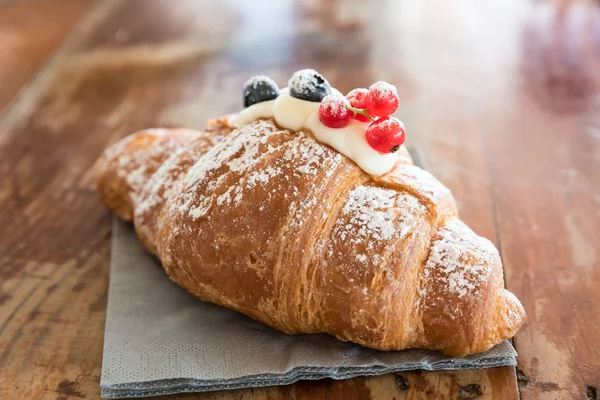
pixel 502 96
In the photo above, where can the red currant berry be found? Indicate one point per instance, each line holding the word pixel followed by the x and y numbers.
pixel 386 135
pixel 358 99
pixel 333 112
pixel 382 99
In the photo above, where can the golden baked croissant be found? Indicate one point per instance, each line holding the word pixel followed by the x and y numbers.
pixel 276 225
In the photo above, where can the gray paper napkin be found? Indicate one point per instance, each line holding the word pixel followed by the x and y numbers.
pixel 162 340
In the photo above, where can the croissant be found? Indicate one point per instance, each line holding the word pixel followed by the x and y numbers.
pixel 276 225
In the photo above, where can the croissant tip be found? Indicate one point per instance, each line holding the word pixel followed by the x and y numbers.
pixel 515 310
pixel 511 316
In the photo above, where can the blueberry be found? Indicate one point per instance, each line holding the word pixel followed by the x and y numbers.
pixel 309 85
pixel 258 89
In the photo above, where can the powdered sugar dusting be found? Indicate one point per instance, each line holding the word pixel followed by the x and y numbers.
pixel 310 159
pixel 255 80
pixel 263 176
pixel 335 104
pixel 383 90
pixel 143 161
pixel 304 81
pixel 461 259
pixel 372 211
pixel 309 155
pixel 371 215
pixel 237 152
pixel 424 183
pixel 162 179
pixel 240 152
pixel 361 258
pixel 225 198
pixel 303 156
pixel 157 189
pixel 234 193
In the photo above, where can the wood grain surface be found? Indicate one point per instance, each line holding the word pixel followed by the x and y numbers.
pixel 30 32
pixel 502 96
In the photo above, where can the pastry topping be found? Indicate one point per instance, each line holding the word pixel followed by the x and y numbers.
pixel 292 113
pixel 358 99
pixel 333 111
pixel 258 89
pixel 386 135
pixel 309 85
pixel 352 142
pixel 382 99
pixel 369 138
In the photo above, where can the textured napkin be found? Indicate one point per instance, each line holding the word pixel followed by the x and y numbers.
pixel 162 340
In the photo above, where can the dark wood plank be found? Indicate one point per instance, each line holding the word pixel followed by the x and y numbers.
pixel 475 94
pixel 30 31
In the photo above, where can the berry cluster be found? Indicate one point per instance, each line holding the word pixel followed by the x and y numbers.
pixel 385 134
pixel 306 84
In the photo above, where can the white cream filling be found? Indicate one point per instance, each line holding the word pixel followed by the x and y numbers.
pixel 295 114
pixel 256 111
pixel 351 141
pixel 292 113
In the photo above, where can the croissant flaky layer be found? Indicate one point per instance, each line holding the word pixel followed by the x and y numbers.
pixel 273 224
